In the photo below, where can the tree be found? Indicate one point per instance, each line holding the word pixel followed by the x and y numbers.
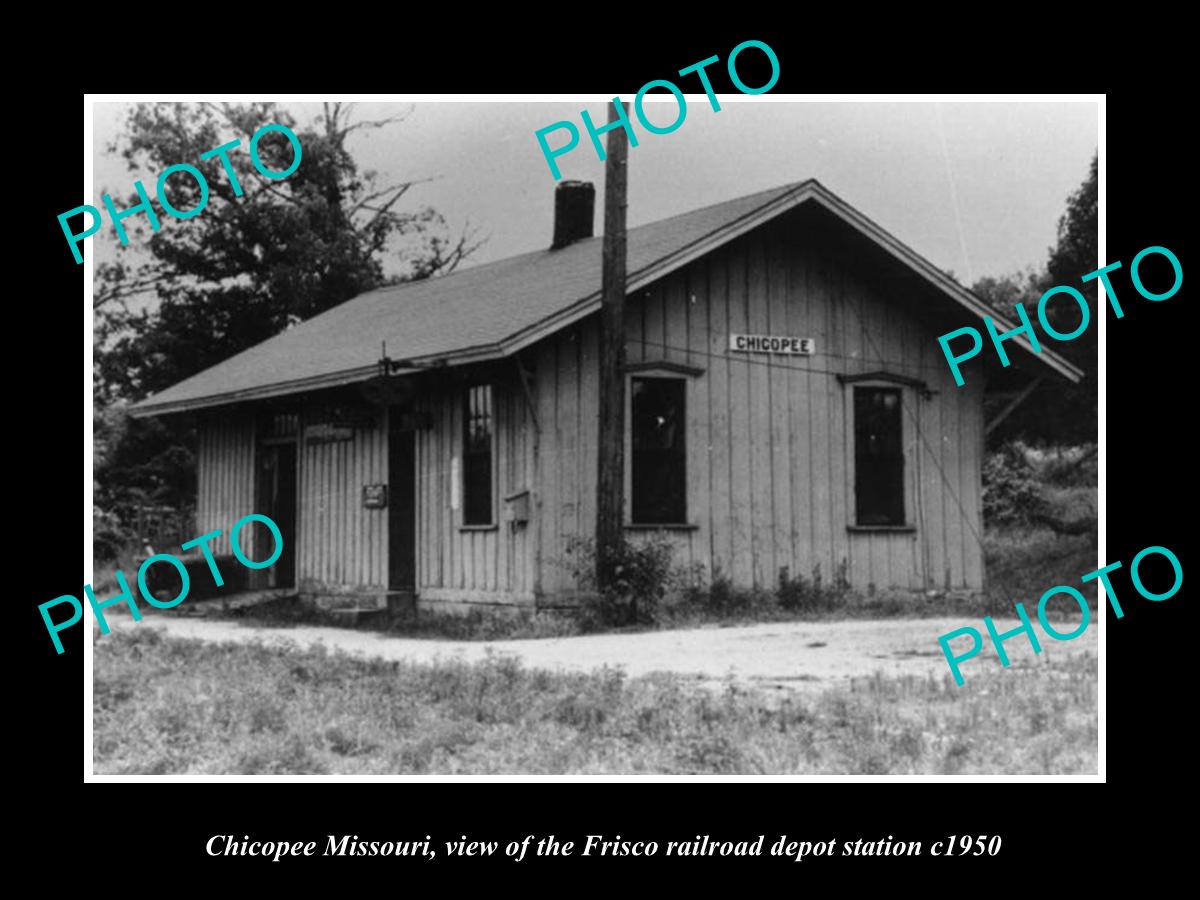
pixel 1058 412
pixel 201 290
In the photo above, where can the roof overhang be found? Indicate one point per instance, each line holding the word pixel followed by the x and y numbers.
pixel 807 192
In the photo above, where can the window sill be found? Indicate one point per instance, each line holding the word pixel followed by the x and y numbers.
pixel 492 527
pixel 664 526
pixel 881 529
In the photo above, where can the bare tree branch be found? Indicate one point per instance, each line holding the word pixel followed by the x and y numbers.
pixel 122 290
pixel 363 203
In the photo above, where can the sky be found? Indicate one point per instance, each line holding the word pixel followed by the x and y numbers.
pixel 977 188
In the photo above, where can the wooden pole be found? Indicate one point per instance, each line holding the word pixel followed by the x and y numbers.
pixel 610 483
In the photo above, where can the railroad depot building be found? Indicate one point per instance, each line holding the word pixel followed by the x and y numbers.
pixel 788 406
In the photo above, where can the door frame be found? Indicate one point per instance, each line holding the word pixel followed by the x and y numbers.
pixel 396 498
pixel 271 444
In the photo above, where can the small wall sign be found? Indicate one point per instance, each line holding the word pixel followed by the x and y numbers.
pixel 771 343
pixel 325 433
pixel 374 496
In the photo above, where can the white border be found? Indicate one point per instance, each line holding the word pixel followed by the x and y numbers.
pixel 89 273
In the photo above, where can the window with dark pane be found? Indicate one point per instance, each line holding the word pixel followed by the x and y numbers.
pixel 477 456
pixel 659 461
pixel 878 457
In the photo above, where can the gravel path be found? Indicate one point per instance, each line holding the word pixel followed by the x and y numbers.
pixel 791 655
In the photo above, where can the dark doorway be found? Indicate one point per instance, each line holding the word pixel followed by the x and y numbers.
pixel 402 523
pixel 277 501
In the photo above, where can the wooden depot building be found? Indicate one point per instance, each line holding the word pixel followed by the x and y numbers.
pixel 788 406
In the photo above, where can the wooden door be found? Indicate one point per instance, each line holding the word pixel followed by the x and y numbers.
pixel 402 519
pixel 277 500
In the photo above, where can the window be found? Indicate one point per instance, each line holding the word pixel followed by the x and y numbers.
pixel 477 456
pixel 658 486
pixel 878 456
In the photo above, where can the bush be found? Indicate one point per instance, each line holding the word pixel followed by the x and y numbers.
pixel 1067 467
pixel 109 537
pixel 1011 494
pixel 720 599
pixel 799 594
pixel 643 574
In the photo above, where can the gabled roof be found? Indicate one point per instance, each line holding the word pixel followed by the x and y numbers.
pixel 492 310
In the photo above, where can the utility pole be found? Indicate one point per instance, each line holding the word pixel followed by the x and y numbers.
pixel 610 483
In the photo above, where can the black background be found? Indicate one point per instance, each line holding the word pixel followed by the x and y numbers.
pixel 129 828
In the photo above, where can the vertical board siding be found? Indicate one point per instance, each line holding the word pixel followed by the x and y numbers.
pixel 770 451
pixel 482 565
pixel 342 544
pixel 741 563
pixel 224 475
pixel 770 438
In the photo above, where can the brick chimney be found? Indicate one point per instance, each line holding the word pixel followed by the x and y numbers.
pixel 574 212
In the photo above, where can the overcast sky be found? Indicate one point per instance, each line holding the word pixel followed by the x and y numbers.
pixel 975 187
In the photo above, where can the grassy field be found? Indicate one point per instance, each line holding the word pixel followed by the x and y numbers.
pixel 165 705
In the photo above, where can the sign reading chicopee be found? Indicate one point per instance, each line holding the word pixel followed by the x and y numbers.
pixel 771 343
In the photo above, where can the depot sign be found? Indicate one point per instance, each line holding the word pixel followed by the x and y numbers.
pixel 771 343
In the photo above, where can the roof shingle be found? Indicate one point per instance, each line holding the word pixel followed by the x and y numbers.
pixel 475 309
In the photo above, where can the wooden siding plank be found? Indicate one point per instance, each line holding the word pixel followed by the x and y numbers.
pixel 589 425
pixel 829 441
pixel 801 322
pixel 762 495
pixel 721 524
pixel 568 410
pixel 782 372
pixel 675 311
pixel 740 401
pixel 699 425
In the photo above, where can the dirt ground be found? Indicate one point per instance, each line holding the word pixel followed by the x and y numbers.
pixel 780 656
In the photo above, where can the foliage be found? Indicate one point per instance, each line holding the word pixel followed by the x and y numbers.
pixel 196 292
pixel 1069 466
pixel 109 536
pixel 236 709
pixel 1023 562
pixel 139 462
pixel 1011 494
pixel 1058 411
pixel 1005 292
pixel 642 574
pixel 795 592
pixel 720 600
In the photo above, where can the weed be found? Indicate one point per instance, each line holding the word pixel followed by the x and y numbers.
pixel 643 573
pixel 351 715
pixel 798 594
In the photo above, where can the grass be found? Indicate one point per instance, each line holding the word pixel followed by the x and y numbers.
pixel 165 705
pixel 1024 563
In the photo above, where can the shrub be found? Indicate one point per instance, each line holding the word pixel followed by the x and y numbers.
pixel 109 537
pixel 720 599
pixel 1010 489
pixel 1069 466
pixel 799 594
pixel 643 574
